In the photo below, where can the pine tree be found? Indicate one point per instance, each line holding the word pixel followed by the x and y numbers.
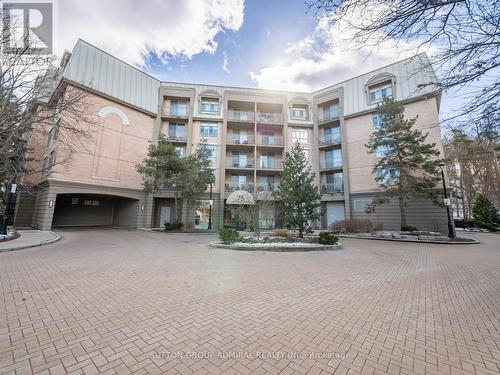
pixel 165 168
pixel 407 167
pixel 296 194
pixel 485 213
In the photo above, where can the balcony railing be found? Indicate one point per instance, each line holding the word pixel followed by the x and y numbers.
pixel 240 116
pixel 326 117
pixel 176 138
pixel 229 188
pixel 271 164
pixel 175 112
pixel 270 140
pixel 269 118
pixel 168 187
pixel 332 189
pixel 329 140
pixel 235 163
pixel 327 164
pixel 267 187
pixel 239 140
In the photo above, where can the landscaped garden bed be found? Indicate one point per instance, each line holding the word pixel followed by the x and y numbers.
pixel 365 229
pixel 279 240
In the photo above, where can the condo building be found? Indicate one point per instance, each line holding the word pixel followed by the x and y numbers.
pixel 248 131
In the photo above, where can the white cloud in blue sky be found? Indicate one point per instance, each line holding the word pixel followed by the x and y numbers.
pixel 132 30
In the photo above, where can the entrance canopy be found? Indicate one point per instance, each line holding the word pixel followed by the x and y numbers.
pixel 240 197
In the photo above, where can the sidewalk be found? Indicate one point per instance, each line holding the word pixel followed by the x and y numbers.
pixel 29 238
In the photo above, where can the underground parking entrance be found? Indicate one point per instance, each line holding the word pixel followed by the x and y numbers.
pixel 95 210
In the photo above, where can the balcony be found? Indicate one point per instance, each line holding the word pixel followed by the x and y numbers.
pixel 229 188
pixel 332 189
pixel 330 164
pixel 239 163
pixel 328 117
pixel 262 188
pixel 239 140
pixel 270 140
pixel 329 140
pixel 240 116
pixel 269 118
pixel 175 113
pixel 271 164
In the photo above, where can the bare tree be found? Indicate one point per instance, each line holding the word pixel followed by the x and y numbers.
pixel 43 119
pixel 464 33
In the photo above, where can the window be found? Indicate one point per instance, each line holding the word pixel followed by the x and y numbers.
pixel 384 150
pixel 240 159
pixel 209 105
pixel 176 130
pixel 178 108
pixel 360 205
pixel 333 158
pixel 180 151
pixel 387 174
pixel 332 135
pixel 90 203
pixel 334 183
pixel 300 111
pixel 213 154
pixel 53 132
pixel 240 115
pixel 379 92
pixel 267 160
pixel 240 136
pixel 330 111
pixel 299 135
pixel 267 137
pixel 377 121
pixel 208 131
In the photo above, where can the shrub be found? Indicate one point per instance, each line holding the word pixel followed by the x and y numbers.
pixel 309 230
pixel 228 235
pixel 408 228
pixel 485 213
pixel 327 238
pixel 281 232
pixel 173 226
pixel 352 226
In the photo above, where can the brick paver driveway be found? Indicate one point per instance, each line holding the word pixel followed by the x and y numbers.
pixel 110 301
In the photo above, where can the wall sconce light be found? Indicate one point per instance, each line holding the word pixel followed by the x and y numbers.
pixel 51 203
pixel 142 207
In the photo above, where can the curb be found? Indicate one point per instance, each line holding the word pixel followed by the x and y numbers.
pixel 472 242
pixel 278 249
pixel 46 242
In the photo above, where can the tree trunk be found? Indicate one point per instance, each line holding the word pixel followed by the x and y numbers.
pixel 402 210
pixel 301 231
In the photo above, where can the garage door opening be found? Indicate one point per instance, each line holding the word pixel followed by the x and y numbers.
pixel 78 210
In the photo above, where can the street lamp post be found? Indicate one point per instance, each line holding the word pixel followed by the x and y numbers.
pixel 451 233
pixel 211 203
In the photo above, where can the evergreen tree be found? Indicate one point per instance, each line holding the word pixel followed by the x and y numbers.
pixel 485 213
pixel 407 167
pixel 164 168
pixel 296 194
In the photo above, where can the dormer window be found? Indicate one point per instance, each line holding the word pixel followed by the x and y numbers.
pixel 300 111
pixel 378 92
pixel 210 105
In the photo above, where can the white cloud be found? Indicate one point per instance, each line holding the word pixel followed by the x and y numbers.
pixel 325 58
pixel 130 29
pixel 225 63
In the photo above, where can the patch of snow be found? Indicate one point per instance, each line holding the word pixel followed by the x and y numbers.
pixel 276 244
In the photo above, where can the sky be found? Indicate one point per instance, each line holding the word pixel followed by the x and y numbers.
pixel 254 43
